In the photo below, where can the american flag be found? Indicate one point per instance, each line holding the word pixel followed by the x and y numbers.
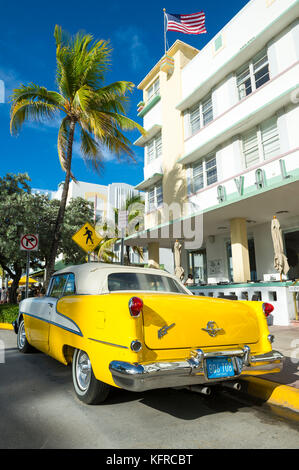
pixel 188 24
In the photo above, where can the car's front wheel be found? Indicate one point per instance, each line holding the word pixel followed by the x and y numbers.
pixel 23 345
pixel 88 389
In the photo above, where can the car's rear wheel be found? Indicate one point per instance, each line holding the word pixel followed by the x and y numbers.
pixel 22 343
pixel 88 389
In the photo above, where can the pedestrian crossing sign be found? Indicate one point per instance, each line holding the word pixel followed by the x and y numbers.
pixel 87 238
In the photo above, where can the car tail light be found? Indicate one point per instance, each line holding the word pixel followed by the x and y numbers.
pixel 267 308
pixel 135 306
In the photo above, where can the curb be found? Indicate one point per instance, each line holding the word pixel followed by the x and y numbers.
pixel 273 393
pixel 6 326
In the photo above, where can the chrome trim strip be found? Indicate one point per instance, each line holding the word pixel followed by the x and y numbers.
pixel 109 344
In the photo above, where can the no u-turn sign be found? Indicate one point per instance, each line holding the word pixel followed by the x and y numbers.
pixel 29 242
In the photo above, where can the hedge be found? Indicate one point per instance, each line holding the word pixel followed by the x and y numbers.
pixel 8 313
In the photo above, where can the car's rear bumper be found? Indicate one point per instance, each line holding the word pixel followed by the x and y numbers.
pixel 140 377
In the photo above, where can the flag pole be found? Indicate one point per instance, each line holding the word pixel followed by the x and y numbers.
pixel 164 10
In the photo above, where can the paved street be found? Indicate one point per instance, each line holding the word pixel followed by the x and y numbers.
pixel 39 410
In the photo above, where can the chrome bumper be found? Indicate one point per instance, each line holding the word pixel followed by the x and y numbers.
pixel 140 377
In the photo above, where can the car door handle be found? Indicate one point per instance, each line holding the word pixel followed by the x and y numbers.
pixel 51 305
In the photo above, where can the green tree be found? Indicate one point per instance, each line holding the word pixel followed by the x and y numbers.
pixel 22 212
pixel 95 111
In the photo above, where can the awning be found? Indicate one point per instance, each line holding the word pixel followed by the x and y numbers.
pixel 22 281
pixel 148 136
pixel 149 182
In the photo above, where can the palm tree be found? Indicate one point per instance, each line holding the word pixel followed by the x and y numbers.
pixel 97 112
pixel 135 207
pixel 105 250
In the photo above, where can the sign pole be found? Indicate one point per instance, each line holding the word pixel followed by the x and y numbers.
pixel 122 247
pixel 27 274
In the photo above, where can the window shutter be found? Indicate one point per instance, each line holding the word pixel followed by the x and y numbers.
pixel 194 119
pixel 270 138
pixel 250 148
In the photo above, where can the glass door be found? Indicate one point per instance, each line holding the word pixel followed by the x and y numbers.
pixel 197 266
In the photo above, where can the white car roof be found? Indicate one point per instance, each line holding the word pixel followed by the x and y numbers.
pixel 91 278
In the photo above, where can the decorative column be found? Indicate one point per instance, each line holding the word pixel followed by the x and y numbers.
pixel 240 254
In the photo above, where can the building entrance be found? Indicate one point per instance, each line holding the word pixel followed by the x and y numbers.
pixel 292 252
pixel 197 266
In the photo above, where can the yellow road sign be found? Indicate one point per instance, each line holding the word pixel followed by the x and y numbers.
pixel 87 238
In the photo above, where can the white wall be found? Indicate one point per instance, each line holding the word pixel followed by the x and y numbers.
pixel 153 116
pixel 243 30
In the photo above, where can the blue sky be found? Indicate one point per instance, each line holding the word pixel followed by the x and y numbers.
pixel 27 54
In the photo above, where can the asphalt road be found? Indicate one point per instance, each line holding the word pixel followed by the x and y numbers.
pixel 38 409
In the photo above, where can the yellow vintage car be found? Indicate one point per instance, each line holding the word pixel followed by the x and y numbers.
pixel 141 329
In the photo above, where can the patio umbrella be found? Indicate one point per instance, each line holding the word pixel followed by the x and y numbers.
pixel 280 260
pixel 179 271
pixel 22 281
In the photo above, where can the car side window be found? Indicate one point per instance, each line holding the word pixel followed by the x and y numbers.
pixel 70 287
pixel 57 285
pixel 63 284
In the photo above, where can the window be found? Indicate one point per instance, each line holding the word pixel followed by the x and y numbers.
pixel 261 143
pixel 218 43
pixel 211 171
pixel 198 178
pixel 207 111
pixel 253 74
pixel 63 284
pixel 200 115
pixel 204 173
pixel 70 285
pixel 155 197
pixel 143 282
pixel 154 148
pixel 153 90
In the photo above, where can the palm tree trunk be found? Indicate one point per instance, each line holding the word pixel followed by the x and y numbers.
pixel 59 221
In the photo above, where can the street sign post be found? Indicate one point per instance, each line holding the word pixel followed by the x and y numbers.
pixel 28 242
pixel 87 238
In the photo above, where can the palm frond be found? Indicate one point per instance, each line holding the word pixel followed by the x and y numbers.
pixel 30 110
pixel 35 92
pixel 105 253
pixel 91 151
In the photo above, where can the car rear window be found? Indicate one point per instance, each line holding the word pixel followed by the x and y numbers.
pixel 143 282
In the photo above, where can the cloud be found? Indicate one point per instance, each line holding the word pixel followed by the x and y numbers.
pixel 131 38
pixel 9 80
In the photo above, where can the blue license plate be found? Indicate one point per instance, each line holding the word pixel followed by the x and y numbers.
pixel 219 367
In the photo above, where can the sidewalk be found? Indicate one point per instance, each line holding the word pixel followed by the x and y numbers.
pixel 287 342
pixel 281 389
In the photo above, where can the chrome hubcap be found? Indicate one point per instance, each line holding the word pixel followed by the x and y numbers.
pixel 22 335
pixel 83 370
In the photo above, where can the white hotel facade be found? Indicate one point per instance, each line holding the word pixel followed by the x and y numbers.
pixel 223 139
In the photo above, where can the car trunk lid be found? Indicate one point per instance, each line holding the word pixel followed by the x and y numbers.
pixel 181 321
